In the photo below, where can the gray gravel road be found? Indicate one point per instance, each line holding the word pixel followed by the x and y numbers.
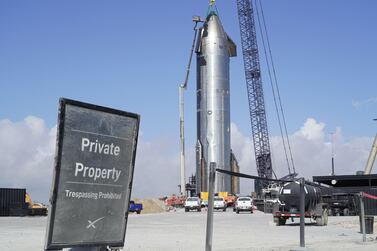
pixel 186 231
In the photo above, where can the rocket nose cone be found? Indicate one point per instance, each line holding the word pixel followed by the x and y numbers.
pixel 214 25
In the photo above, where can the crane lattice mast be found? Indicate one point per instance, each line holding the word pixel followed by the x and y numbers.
pixel 255 92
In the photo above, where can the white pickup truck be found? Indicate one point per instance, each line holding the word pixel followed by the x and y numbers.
pixel 244 204
pixel 193 203
pixel 219 203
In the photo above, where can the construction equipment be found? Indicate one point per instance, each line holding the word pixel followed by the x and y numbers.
pixel 175 201
pixel 255 92
pixel 35 209
pixel 289 204
pixel 182 88
pixel 372 157
pixel 256 97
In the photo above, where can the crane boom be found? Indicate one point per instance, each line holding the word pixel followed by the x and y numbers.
pixel 255 92
pixel 372 157
pixel 182 88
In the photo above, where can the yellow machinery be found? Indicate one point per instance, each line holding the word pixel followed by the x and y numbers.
pixel 204 196
pixel 35 209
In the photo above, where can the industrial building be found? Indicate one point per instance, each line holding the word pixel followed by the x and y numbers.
pixel 353 184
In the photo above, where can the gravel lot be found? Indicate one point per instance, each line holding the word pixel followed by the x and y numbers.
pixel 186 231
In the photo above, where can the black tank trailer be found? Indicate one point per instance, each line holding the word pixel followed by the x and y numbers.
pixel 288 205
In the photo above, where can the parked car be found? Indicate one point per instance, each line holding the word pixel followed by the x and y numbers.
pixel 193 203
pixel 244 204
pixel 219 203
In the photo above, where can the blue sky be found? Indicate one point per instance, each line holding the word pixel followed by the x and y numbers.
pixel 132 55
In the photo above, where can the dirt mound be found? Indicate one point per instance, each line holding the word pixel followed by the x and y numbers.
pixel 151 206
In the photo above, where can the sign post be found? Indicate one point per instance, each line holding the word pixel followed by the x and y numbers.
pixel 211 188
pixel 302 212
pixel 92 181
pixel 362 216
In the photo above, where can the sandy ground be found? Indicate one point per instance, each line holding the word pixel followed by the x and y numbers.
pixel 186 231
pixel 151 206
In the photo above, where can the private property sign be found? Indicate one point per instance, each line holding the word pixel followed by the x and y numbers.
pixel 93 174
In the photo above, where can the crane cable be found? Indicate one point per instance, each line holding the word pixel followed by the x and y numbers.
pixel 278 91
pixel 212 6
pixel 274 85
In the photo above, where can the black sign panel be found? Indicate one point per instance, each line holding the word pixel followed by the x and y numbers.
pixel 93 173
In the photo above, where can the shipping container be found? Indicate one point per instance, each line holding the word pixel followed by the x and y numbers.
pixel 12 202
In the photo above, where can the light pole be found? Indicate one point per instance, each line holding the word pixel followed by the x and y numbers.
pixel 332 155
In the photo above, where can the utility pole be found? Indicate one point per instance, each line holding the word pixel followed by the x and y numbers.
pixel 332 154
pixel 302 212
pixel 211 188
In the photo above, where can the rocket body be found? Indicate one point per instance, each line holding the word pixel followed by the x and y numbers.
pixel 214 48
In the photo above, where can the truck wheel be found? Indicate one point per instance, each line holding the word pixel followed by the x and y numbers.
pixel 319 221
pixel 346 212
pixel 280 221
pixel 137 212
pixel 322 220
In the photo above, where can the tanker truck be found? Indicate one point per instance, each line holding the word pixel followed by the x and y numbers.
pixel 288 205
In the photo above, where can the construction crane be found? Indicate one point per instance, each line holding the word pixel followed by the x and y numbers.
pixel 255 92
pixel 182 88
pixel 372 156
pixel 256 97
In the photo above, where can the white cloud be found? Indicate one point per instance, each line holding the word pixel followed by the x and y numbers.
pixel 27 151
pixel 27 157
pixel 244 152
pixel 156 169
pixel 311 151
pixel 311 130
pixel 358 104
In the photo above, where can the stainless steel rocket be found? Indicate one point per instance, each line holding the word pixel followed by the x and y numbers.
pixel 214 48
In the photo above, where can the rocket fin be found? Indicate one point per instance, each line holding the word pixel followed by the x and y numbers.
pixel 232 48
